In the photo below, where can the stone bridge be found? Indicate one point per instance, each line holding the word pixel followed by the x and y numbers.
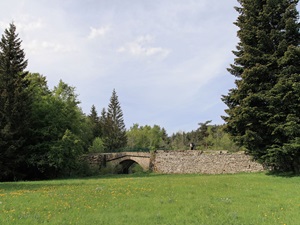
pixel 186 161
pixel 127 159
pixel 120 160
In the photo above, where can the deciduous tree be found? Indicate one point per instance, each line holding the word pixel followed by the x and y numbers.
pixel 147 137
pixel 60 131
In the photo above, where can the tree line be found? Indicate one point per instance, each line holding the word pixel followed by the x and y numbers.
pixel 205 137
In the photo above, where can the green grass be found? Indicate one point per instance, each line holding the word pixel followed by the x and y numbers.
pixel 154 199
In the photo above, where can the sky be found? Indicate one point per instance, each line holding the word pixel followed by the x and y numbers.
pixel 166 59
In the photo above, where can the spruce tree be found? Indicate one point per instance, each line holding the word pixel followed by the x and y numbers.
pixel 95 122
pixel 263 109
pixel 15 106
pixel 115 131
pixel 102 121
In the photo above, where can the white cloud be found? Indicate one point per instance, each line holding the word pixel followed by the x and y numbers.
pixel 3 25
pixel 98 32
pixel 24 23
pixel 36 46
pixel 141 47
pixel 29 26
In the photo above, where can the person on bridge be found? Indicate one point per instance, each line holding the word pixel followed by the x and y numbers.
pixel 192 146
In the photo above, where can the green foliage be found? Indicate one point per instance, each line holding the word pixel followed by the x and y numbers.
pixel 206 137
pixel 136 169
pixel 264 107
pixel 202 133
pixel 59 129
pixel 15 105
pixel 63 153
pixel 110 169
pixel 66 93
pixel 218 139
pixel 97 146
pixel 180 141
pixel 147 137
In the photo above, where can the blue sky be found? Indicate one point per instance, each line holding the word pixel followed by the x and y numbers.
pixel 166 59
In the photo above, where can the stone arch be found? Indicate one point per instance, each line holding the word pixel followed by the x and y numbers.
pixel 122 161
pixel 126 164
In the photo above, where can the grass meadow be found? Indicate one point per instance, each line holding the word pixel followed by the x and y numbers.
pixel 154 199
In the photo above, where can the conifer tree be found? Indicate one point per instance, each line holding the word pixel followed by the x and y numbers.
pixel 15 106
pixel 115 131
pixel 95 122
pixel 102 121
pixel 263 109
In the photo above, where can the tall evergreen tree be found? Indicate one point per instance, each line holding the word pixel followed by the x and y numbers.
pixel 95 122
pixel 15 106
pixel 263 108
pixel 115 131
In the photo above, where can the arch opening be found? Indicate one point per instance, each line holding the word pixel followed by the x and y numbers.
pixel 130 166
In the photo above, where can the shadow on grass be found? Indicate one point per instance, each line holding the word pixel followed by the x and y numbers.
pixel 70 181
pixel 282 174
pixel 122 176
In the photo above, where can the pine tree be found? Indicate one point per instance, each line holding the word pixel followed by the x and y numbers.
pixel 102 121
pixel 115 131
pixel 95 123
pixel 258 113
pixel 15 105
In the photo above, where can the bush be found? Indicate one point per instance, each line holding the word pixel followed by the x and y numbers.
pixel 97 146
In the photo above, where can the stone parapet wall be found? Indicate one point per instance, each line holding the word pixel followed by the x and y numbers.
pixel 94 160
pixel 100 160
pixel 191 161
